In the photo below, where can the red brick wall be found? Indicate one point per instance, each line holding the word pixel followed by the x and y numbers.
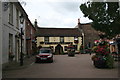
pixel 90 34
pixel 30 36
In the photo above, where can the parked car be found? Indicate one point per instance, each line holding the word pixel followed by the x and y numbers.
pixel 45 55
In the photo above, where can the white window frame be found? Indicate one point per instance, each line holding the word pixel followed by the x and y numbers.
pixel 62 39
pixel 11 13
pixel 46 39
pixel 17 18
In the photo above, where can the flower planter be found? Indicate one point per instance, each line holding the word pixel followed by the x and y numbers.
pixel 102 57
pixel 100 63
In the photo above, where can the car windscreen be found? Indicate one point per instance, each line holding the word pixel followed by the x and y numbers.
pixel 45 51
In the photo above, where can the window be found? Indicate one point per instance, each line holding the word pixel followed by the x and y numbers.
pixel 46 39
pixel 11 13
pixel 17 18
pixel 61 39
pixel 75 47
pixel 10 44
pixel 65 48
pixel 76 40
pixel 45 51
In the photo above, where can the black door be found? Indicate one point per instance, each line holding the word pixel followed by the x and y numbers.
pixel 58 49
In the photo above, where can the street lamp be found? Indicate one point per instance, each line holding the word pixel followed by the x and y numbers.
pixel 21 55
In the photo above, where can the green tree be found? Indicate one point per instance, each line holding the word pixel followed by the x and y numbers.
pixel 105 16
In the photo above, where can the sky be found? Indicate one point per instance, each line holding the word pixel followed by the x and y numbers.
pixel 55 13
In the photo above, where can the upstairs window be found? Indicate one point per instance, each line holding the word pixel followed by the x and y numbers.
pixel 11 13
pixel 17 19
pixel 76 40
pixel 61 39
pixel 46 39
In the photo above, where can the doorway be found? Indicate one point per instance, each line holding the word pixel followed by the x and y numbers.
pixel 58 49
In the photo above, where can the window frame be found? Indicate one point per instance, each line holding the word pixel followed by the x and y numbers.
pixel 17 18
pixel 11 13
pixel 61 39
pixel 46 39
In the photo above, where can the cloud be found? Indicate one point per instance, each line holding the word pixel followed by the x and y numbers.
pixel 55 14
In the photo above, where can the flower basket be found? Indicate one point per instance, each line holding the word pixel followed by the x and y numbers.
pixel 100 63
pixel 102 58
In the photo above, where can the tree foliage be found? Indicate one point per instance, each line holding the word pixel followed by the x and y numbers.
pixel 105 16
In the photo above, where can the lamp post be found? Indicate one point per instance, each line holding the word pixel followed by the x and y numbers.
pixel 21 55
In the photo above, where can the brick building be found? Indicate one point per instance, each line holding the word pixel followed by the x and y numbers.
pixel 30 38
pixel 90 34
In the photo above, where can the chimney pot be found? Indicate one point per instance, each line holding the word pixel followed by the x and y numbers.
pixel 78 20
pixel 35 20
pixel 35 23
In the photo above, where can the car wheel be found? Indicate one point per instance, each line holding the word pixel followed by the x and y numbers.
pixel 51 61
pixel 36 61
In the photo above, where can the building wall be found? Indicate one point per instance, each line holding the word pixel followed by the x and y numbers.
pixel 54 39
pixel 57 39
pixel 90 34
pixel 0 40
pixel 69 39
pixel 30 38
pixel 7 29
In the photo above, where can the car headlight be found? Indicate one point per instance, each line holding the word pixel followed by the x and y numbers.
pixel 37 56
pixel 49 56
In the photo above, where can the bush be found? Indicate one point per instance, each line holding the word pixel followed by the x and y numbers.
pixel 109 61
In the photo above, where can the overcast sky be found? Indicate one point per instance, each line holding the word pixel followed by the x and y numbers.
pixel 55 13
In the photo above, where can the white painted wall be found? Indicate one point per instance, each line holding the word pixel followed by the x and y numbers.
pixel 6 29
pixel 0 40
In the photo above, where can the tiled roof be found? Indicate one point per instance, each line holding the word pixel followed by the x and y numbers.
pixel 57 32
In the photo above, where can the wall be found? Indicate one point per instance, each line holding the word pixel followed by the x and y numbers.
pixel 0 40
pixel 90 34
pixel 54 39
pixel 57 39
pixel 68 39
pixel 30 35
pixel 6 29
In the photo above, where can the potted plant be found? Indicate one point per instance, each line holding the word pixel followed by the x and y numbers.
pixel 102 57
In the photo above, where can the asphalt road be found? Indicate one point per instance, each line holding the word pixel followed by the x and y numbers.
pixel 63 66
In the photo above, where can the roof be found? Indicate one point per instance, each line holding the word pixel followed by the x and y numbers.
pixel 21 8
pixel 57 32
pixel 31 24
pixel 83 24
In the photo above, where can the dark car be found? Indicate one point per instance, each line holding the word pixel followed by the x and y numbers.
pixel 45 55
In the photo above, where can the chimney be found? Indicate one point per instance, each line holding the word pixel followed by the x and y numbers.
pixel 79 26
pixel 35 23
pixel 78 20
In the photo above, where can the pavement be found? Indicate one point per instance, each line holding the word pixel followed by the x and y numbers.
pixel 16 65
